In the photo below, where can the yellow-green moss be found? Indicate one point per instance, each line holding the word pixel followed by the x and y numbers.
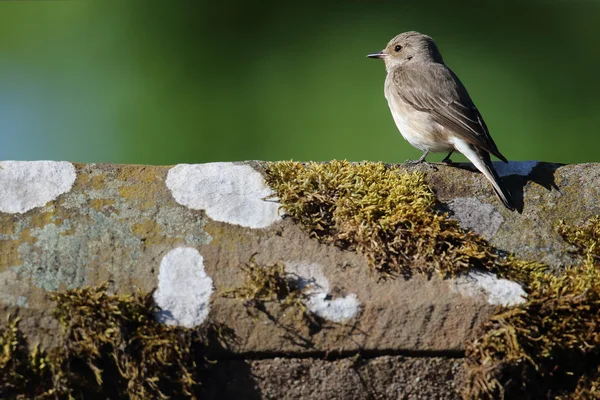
pixel 23 374
pixel 586 239
pixel 268 283
pixel 548 347
pixel 384 212
pixel 588 387
pixel 111 348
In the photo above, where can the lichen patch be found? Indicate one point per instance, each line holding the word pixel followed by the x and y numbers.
pixel 101 204
pixel 7 225
pixel 184 289
pixel 498 291
pixel 235 194
pixel 152 233
pixel 10 249
pixel 311 280
pixel 30 184
pixel 9 254
pixel 93 233
pixel 139 185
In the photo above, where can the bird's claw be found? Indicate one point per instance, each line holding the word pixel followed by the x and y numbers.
pixel 417 162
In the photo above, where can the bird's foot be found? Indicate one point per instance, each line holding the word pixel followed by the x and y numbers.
pixel 420 161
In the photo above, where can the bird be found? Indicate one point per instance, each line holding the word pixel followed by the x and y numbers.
pixel 432 108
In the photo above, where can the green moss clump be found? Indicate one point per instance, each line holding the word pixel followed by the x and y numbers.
pixel 112 347
pixel 548 347
pixel 269 283
pixel 586 239
pixel 265 283
pixel 23 375
pixel 588 387
pixel 387 214
pixel 383 212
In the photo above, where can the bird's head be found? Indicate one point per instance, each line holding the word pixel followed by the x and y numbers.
pixel 409 47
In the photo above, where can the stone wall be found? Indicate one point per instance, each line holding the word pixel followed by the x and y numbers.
pixel 186 232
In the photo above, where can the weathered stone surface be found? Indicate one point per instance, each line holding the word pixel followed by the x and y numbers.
pixel 544 194
pixel 122 224
pixel 140 228
pixel 386 377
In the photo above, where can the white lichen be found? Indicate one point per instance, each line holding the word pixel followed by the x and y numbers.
pixel 497 291
pixel 315 285
pixel 30 184
pixel 235 194
pixel 184 289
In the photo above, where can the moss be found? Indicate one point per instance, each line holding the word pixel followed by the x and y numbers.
pixel 548 347
pixel 588 387
pixel 389 215
pixel 111 348
pixel 268 283
pixel 586 239
pixel 23 375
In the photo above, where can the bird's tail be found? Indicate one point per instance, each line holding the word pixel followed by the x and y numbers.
pixel 481 160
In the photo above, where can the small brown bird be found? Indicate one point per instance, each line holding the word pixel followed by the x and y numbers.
pixel 432 108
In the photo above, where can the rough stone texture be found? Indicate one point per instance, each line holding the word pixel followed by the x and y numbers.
pixel 117 223
pixel 386 377
pixel 544 194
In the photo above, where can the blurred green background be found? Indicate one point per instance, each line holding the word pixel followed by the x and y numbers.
pixel 171 82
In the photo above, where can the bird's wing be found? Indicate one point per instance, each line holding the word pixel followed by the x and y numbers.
pixel 438 91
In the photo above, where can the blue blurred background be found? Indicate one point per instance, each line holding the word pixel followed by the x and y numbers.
pixel 171 82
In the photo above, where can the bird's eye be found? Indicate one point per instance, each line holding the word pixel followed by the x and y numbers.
pixel 398 48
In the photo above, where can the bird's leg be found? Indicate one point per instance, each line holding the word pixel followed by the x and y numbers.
pixel 447 159
pixel 420 160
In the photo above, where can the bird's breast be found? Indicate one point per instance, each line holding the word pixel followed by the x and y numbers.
pixel 417 127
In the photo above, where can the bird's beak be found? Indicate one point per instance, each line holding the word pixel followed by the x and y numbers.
pixel 381 54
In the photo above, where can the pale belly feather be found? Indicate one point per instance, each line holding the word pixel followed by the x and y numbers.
pixel 418 128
